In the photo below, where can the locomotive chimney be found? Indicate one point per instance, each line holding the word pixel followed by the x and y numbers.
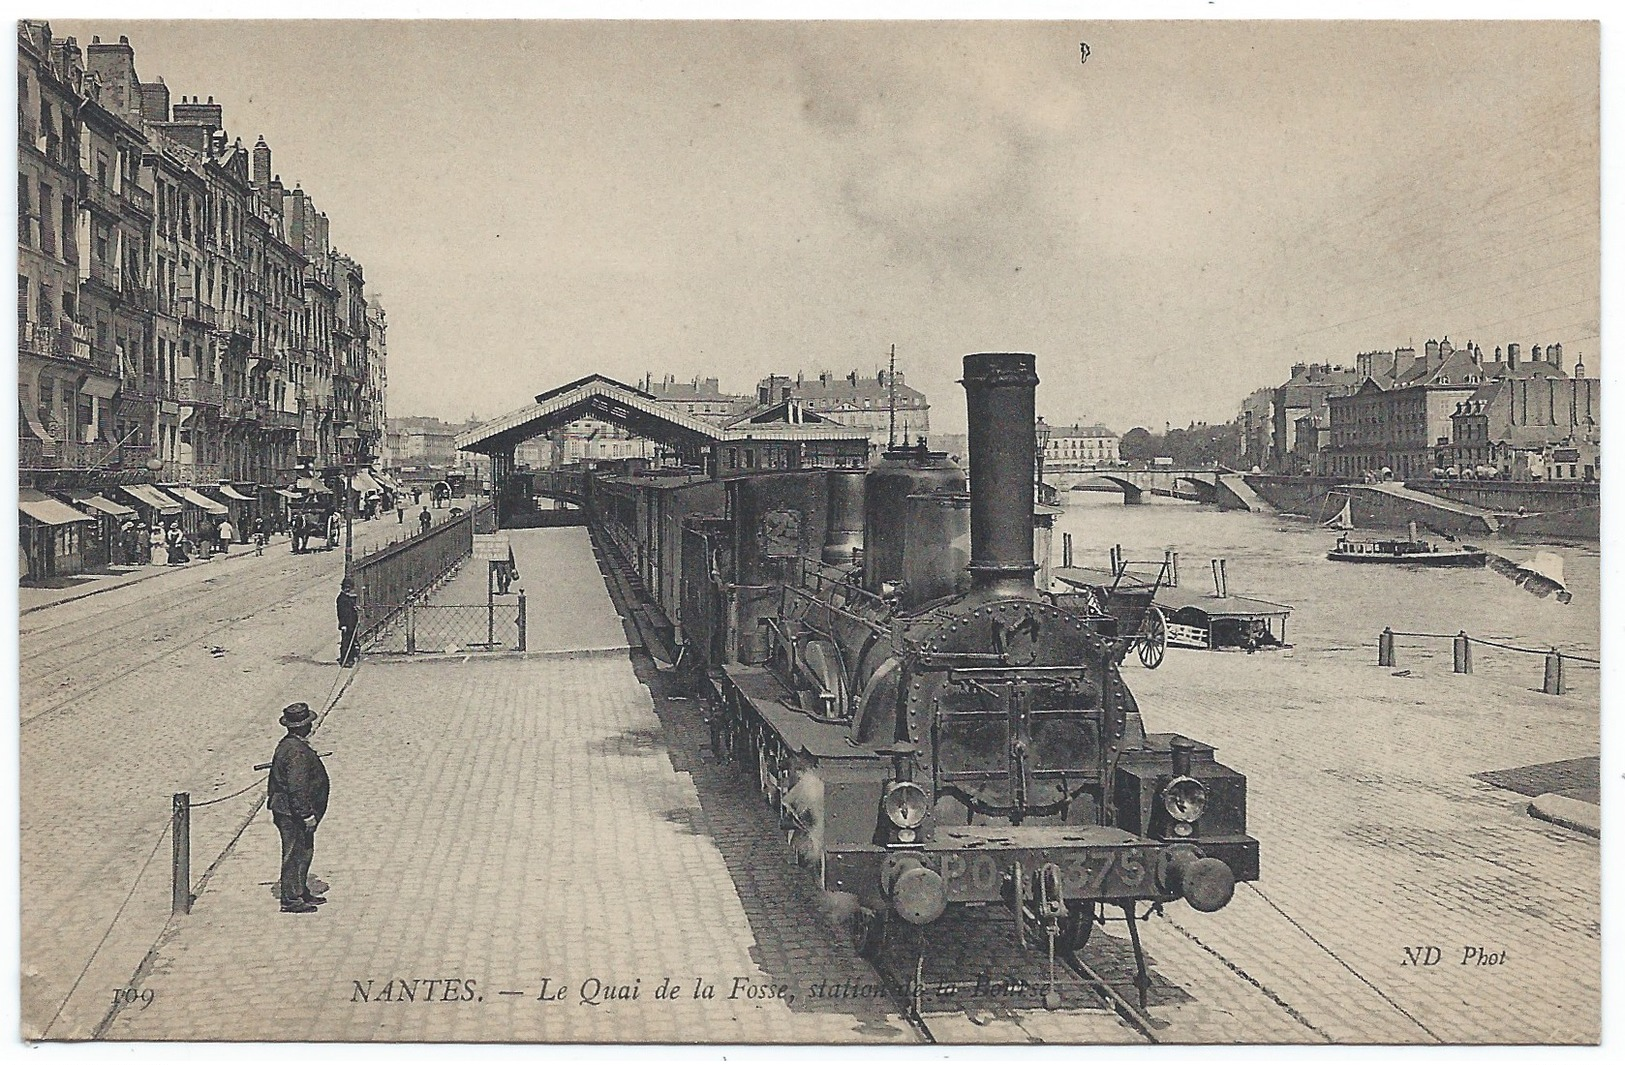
pixel 1000 395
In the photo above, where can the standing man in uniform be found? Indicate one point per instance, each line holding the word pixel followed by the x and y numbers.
pixel 298 801
pixel 349 619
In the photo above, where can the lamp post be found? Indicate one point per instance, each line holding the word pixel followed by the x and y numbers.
pixel 349 440
pixel 1041 438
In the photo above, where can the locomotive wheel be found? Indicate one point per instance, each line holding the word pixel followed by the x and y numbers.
pixel 1153 639
pixel 1076 925
pixel 869 933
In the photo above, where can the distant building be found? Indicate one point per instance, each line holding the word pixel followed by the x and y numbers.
pixel 699 397
pixel 866 403
pixel 1537 429
pixel 1080 447
pixel 1401 414
pixel 1257 424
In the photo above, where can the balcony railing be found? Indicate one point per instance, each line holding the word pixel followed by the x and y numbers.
pixel 146 388
pixel 199 393
pixel 193 309
pixel 64 338
pixel 138 197
pixel 237 323
pixel 97 195
pixel 36 454
pixel 192 472
pixel 105 272
pixel 240 408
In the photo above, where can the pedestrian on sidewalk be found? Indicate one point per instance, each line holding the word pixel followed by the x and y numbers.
pixel 400 511
pixel 297 534
pixel 423 521
pixel 349 619
pixel 227 534
pixel 259 536
pixel 333 528
pixel 158 545
pixel 298 789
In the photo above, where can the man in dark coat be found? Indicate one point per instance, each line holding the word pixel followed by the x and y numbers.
pixel 298 801
pixel 349 618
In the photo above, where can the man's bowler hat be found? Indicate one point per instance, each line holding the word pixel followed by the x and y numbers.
pixel 295 714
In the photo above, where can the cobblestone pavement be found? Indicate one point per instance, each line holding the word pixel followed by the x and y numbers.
pixel 514 821
pixel 168 684
pixel 1376 840
pixel 513 825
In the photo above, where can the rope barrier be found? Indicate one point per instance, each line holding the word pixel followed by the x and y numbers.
pixel 110 925
pixel 1568 656
pixel 333 696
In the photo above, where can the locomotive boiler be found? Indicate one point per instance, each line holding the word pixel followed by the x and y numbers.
pixel 932 729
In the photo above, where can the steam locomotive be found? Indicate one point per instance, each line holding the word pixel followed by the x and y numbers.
pixel 932 729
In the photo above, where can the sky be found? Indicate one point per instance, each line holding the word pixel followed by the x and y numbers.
pixel 1167 226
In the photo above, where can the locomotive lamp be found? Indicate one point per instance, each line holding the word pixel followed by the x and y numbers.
pixel 1184 797
pixel 904 803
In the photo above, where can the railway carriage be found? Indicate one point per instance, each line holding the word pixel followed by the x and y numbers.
pixel 932 731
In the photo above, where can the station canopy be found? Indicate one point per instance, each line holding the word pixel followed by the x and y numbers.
pixel 593 396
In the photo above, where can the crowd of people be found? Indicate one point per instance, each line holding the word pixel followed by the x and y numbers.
pixel 308 527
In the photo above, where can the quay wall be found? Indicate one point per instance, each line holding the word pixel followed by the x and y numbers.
pixel 1560 511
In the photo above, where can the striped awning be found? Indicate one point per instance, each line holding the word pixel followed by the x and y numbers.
pixel 199 500
pixel 362 482
pixel 231 493
pixel 148 496
pixel 47 511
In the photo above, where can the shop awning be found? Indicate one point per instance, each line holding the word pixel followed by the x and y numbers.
pixel 86 498
pixel 288 493
pixel 198 500
pixel 362 482
pixel 47 511
pixel 148 496
pixel 231 493
pixel 312 486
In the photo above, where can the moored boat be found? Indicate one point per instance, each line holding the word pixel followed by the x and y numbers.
pixel 1409 552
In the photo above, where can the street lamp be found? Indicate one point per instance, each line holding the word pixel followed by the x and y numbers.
pixel 1041 437
pixel 349 441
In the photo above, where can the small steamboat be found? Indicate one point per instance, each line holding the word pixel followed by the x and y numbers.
pixel 1408 552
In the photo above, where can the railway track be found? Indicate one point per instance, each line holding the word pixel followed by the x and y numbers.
pixel 176 619
pixel 937 1005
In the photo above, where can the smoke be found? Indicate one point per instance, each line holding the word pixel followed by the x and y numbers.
pixel 950 180
pixel 805 802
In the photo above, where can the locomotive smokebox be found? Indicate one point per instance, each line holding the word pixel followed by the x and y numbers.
pixel 1000 406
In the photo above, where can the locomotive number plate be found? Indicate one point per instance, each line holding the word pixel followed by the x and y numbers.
pixel 1103 872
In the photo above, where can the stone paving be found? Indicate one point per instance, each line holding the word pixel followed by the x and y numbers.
pixel 1376 840
pixel 168 684
pixel 501 823
pixel 512 820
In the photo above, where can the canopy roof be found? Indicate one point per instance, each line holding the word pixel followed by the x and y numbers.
pixel 89 498
pixel 203 502
pixel 148 496
pixel 600 397
pixel 47 511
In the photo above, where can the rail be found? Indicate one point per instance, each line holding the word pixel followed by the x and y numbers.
pixel 1462 657
pixel 389 578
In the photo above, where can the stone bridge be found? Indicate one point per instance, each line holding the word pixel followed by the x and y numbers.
pixel 1220 487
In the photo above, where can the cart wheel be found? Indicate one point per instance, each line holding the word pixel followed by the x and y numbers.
pixel 1152 639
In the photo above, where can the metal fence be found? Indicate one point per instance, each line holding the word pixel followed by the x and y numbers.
pixel 448 628
pixel 388 579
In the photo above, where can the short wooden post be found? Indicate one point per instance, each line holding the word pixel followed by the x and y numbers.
pixel 1385 648
pixel 1554 673
pixel 181 838
pixel 521 620
pixel 1464 653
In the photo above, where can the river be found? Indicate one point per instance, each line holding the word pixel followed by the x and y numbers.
pixel 1339 607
